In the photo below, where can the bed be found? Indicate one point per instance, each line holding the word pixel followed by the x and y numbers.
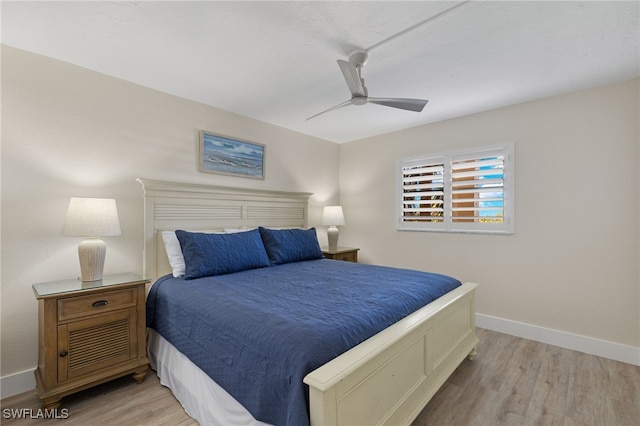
pixel 386 377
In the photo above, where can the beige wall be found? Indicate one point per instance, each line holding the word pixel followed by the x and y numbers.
pixel 67 131
pixel 572 264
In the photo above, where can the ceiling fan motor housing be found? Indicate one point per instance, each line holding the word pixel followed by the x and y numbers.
pixel 359 100
pixel 359 58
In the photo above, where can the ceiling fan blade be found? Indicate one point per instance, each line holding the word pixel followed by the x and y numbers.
pixel 352 77
pixel 340 105
pixel 402 103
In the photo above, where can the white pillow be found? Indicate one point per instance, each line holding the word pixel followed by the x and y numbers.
pixel 174 253
pixel 236 230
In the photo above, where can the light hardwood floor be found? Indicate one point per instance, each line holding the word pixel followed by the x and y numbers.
pixel 513 381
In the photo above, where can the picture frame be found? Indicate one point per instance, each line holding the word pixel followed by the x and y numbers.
pixel 231 156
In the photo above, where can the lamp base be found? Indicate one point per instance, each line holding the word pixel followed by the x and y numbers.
pixel 92 253
pixel 332 236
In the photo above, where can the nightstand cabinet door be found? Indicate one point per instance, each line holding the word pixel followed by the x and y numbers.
pixel 94 344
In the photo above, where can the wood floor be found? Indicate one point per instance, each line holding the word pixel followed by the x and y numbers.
pixel 512 382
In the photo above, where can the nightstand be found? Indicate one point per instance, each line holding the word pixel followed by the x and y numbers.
pixel 341 253
pixel 89 333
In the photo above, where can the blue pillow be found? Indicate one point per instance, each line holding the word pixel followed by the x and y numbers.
pixel 217 254
pixel 290 245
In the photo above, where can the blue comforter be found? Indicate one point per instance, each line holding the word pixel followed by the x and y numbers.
pixel 257 333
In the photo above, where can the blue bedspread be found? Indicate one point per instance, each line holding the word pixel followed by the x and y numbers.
pixel 257 333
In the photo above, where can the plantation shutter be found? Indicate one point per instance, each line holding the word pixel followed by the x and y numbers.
pixel 460 192
pixel 477 187
pixel 423 191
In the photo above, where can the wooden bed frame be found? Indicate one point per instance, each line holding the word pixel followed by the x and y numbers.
pixel 387 379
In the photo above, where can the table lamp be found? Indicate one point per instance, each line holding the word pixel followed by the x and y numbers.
pixel 91 218
pixel 332 216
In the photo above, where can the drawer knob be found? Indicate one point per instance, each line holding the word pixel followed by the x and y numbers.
pixel 99 303
pixel 63 354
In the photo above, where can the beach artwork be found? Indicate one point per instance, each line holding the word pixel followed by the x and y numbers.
pixel 221 154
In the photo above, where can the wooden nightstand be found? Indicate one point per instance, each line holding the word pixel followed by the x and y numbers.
pixel 89 333
pixel 341 253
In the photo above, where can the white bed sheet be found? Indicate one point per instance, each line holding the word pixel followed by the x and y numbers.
pixel 200 396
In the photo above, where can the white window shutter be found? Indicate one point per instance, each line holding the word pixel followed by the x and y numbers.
pixel 422 189
pixel 471 191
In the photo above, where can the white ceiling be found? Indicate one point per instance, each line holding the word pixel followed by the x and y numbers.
pixel 276 61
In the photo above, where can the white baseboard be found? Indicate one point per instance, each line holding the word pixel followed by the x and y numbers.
pixel 24 381
pixel 16 383
pixel 589 345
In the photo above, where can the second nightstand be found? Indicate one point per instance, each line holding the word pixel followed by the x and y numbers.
pixel 348 254
pixel 89 333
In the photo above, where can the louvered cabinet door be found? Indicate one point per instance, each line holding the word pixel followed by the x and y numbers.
pixel 97 343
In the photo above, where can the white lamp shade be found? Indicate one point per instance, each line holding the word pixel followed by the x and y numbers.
pixel 332 215
pixel 91 217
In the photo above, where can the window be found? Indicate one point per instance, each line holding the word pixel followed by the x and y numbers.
pixel 469 191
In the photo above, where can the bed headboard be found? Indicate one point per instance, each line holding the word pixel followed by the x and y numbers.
pixel 194 207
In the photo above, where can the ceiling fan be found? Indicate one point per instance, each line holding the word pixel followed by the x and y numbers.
pixel 352 70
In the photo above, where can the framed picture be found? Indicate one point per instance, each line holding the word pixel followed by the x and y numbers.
pixel 230 156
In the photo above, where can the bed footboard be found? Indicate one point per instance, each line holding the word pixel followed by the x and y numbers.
pixel 390 378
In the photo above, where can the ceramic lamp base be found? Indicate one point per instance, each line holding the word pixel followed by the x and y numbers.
pixel 332 236
pixel 92 253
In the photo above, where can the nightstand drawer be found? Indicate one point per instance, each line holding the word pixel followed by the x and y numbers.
pixel 348 257
pixel 341 253
pixel 81 306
